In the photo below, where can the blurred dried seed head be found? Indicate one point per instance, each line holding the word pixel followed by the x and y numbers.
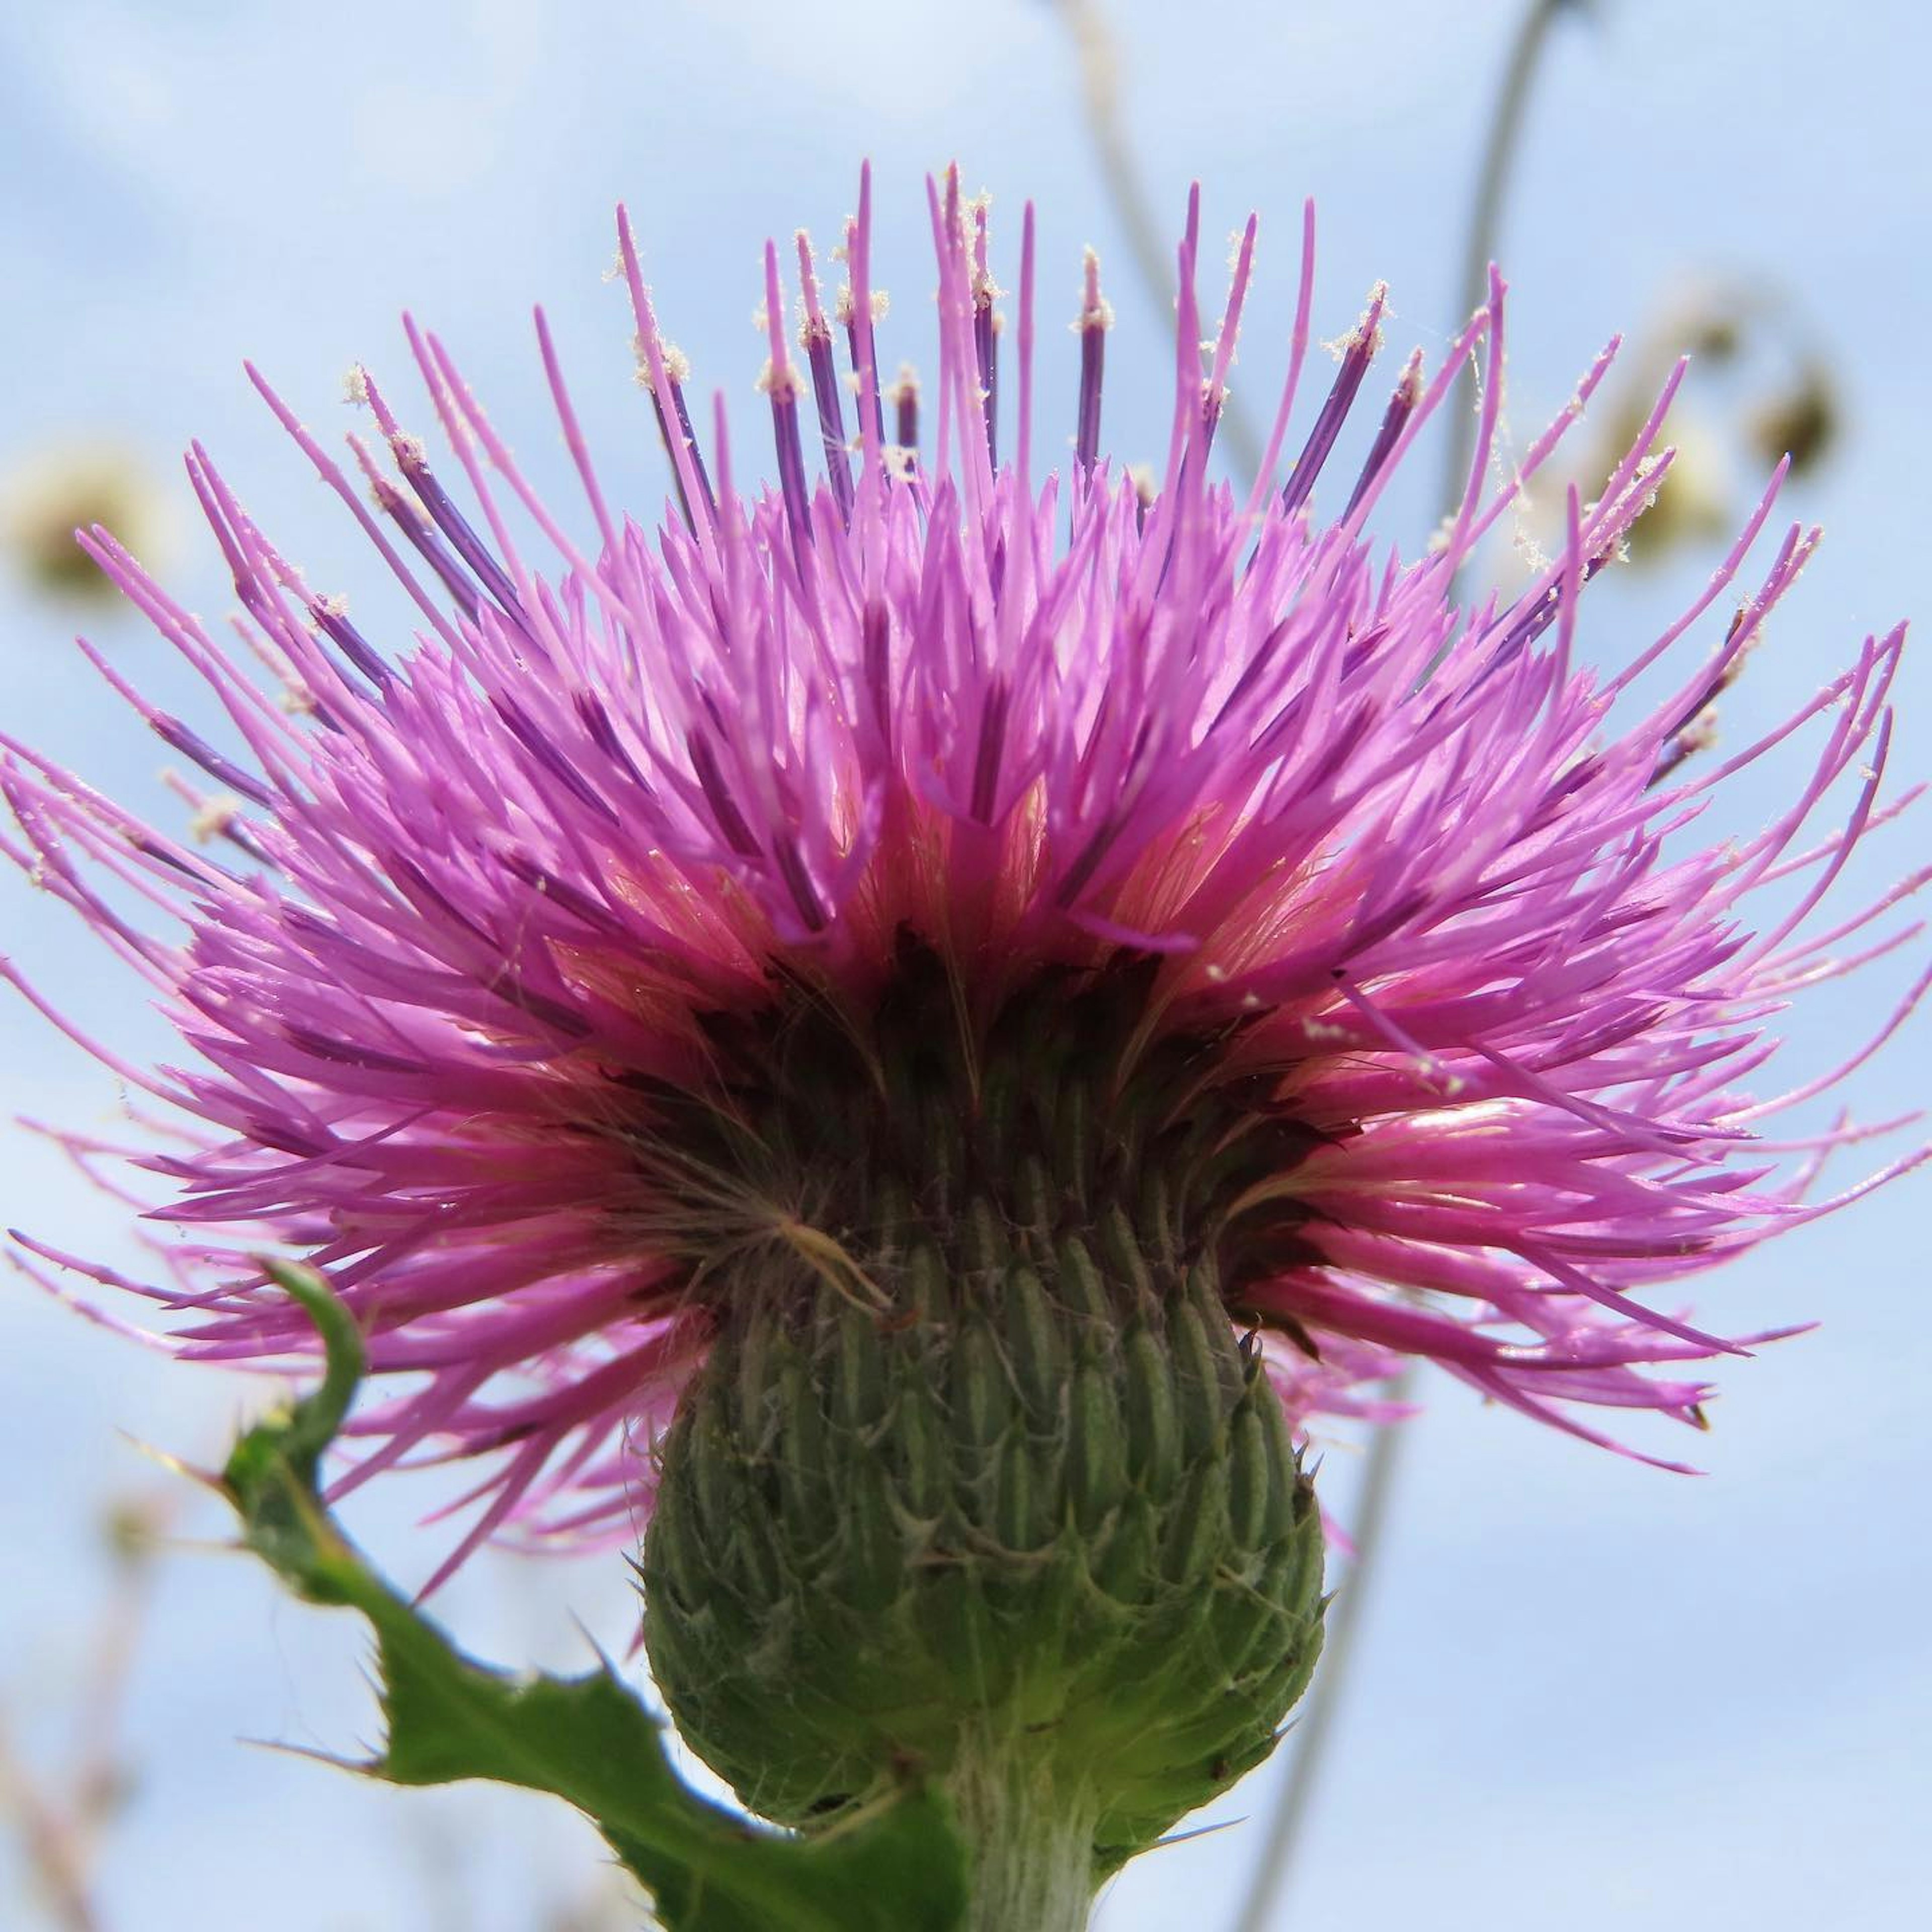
pixel 49 493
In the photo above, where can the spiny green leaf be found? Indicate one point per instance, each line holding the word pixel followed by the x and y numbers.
pixel 586 1739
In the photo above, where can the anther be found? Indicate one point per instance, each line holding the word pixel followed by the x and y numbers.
pixel 1095 318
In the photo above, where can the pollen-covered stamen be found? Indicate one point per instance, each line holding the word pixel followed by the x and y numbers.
pixel 1533 616
pixel 688 435
pixel 1181 483
pixel 815 336
pixel 961 406
pixel 413 461
pixel 332 619
pixel 904 395
pixel 332 474
pixel 1357 351
pixel 1095 318
pixel 783 390
pixel 1395 418
pixel 1214 391
pixel 663 371
pixel 267 587
pixel 985 331
pixel 869 523
pixel 1741 638
pixel 422 538
pixel 861 343
pixel 218 817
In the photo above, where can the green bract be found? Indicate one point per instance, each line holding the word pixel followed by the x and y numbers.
pixel 1051 1513
pixel 978 1483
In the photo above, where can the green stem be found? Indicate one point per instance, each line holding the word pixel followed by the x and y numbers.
pixel 1030 1843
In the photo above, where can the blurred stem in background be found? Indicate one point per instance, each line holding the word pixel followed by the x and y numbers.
pixel 61 1827
pixel 1317 1721
pixel 1486 213
pixel 1120 170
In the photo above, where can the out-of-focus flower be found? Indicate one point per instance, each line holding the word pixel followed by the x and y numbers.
pixel 1695 503
pixel 1774 399
pixel 1800 420
pixel 902 971
pixel 45 498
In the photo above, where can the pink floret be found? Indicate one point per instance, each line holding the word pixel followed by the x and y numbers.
pixel 481 887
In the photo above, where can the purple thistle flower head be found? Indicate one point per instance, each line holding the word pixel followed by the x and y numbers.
pixel 934 856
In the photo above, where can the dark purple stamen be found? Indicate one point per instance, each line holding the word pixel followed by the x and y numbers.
pixel 172 732
pixel 817 337
pixel 1096 319
pixel 542 747
pixel 855 352
pixel 560 892
pixel 1096 849
pixel 239 835
pixel 596 720
pixel 280 1136
pixel 1730 662
pixel 798 883
pixel 866 356
pixel 985 328
pixel 783 393
pixel 1087 434
pixel 1395 418
pixel 1251 673
pixel 831 418
pixel 428 545
pixel 1532 624
pixel 718 795
pixel 691 443
pixel 346 1053
pixel 877 646
pixel 986 348
pixel 676 469
pixel 1212 405
pixel 1685 744
pixel 791 467
pixel 415 884
pixel 992 749
pixel 448 519
pixel 352 643
pixel 1355 360
pixel 153 848
pixel 905 399
pixel 559 1018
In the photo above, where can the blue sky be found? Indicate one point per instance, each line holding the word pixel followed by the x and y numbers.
pixel 1588 1694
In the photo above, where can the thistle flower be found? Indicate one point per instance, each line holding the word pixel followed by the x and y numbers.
pixel 929 1024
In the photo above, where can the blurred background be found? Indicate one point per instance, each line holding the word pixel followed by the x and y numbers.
pixel 1583 1692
